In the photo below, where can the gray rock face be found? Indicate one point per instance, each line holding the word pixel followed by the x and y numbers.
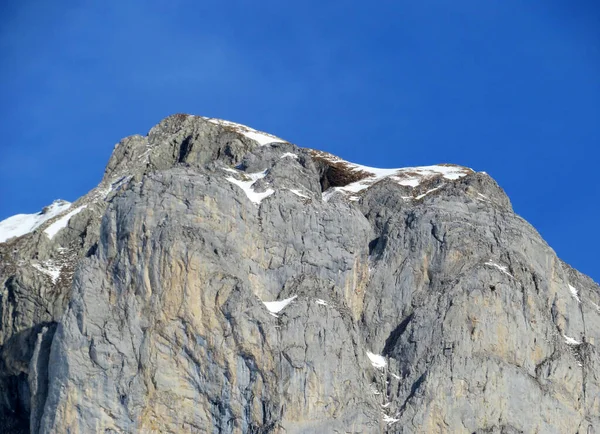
pixel 215 282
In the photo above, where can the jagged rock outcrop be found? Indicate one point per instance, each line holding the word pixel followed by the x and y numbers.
pixel 220 279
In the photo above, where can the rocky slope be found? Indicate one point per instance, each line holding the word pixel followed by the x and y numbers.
pixel 222 280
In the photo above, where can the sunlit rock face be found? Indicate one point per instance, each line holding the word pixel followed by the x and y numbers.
pixel 222 280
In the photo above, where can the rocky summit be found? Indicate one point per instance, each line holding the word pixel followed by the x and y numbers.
pixel 223 280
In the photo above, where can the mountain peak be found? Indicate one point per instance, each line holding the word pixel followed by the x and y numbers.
pixel 202 141
pixel 284 289
pixel 199 141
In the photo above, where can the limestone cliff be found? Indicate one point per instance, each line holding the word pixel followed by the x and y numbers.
pixel 223 280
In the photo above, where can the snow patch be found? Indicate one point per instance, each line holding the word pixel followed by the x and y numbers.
pixel 374 390
pixel 412 182
pixel 277 306
pixel 299 193
pixel 62 222
pixel 321 302
pixel 49 269
pixel 502 268
pixel 22 224
pixel 290 155
pixel 376 360
pixel 421 196
pixel 258 136
pixel 115 186
pixel 228 169
pixel 574 293
pixel 246 186
pixel 571 341
pixel 389 420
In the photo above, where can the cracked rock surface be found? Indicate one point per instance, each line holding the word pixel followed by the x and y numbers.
pixel 223 280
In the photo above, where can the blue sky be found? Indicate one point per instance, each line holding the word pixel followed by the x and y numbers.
pixel 504 86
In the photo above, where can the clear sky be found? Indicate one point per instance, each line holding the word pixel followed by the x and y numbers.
pixel 510 87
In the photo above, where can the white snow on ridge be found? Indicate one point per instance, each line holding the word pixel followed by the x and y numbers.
pixel 406 176
pixel 22 224
pixel 277 306
pixel 413 176
pixel 246 186
pixel 258 136
pixel 574 293
pixel 376 360
pixel 62 222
